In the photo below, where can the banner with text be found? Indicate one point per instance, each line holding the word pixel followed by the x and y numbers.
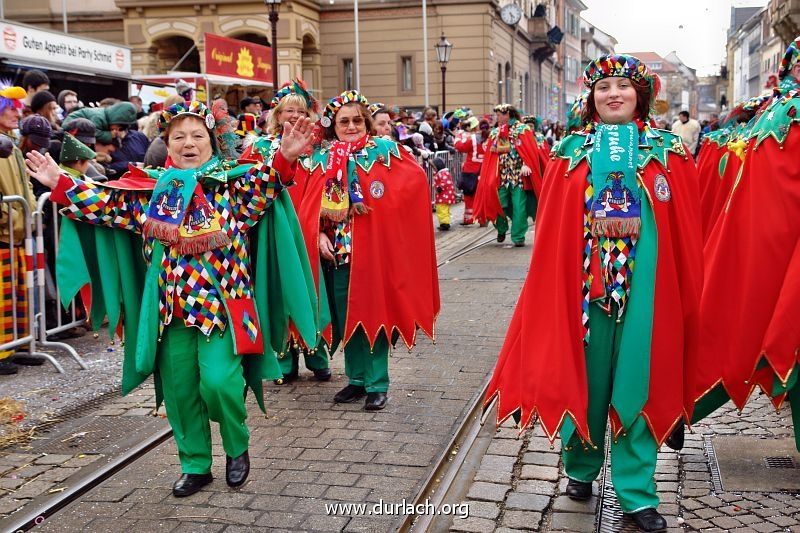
pixel 238 59
pixel 24 43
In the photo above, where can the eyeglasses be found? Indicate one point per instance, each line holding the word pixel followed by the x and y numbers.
pixel 355 121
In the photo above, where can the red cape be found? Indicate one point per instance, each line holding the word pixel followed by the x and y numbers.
pixel 750 256
pixel 711 181
pixel 487 202
pixel 394 281
pixel 541 370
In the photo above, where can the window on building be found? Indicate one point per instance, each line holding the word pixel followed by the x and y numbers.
pixel 347 69
pixel 499 83
pixel 527 94
pixel 406 73
pixel 507 83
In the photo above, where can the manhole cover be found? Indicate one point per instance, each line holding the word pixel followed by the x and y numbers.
pixel 750 464
pixel 779 462
pixel 91 434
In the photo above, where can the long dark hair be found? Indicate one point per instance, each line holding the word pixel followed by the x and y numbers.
pixel 642 111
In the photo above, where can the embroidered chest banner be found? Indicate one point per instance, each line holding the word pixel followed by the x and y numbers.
pixel 179 215
pixel 616 206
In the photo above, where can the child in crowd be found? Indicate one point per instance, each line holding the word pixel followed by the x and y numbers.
pixel 445 193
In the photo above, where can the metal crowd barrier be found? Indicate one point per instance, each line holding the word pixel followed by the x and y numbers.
pixel 452 161
pixel 36 331
pixel 44 330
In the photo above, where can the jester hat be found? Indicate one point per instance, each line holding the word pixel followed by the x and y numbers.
pixel 247 125
pixel 575 112
pixel 622 66
pixel 295 86
pixel 375 107
pixel 195 109
pixel 11 96
pixel 336 103
pixel 504 108
pixel 789 58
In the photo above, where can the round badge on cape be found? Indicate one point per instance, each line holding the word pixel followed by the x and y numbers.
pixel 376 189
pixel 210 122
pixel 325 122
pixel 661 188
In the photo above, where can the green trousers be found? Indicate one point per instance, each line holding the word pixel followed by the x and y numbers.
pixel 364 367
pixel 202 380
pixel 514 201
pixel 633 454
pixel 290 362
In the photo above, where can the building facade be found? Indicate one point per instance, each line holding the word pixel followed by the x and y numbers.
pixel 535 65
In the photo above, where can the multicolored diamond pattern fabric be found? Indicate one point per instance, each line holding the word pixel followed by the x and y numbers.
pixel 588 199
pixel 250 326
pixel 184 280
pixel 617 262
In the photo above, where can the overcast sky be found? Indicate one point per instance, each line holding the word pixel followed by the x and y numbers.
pixel 695 29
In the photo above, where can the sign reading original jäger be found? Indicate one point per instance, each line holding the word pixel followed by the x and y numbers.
pixel 238 59
pixel 28 44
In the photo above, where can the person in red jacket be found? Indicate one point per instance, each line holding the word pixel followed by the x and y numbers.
pixel 366 219
pixel 608 313
pixel 510 173
pixel 470 141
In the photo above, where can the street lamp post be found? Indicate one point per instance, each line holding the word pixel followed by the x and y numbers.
pixel 443 49
pixel 273 6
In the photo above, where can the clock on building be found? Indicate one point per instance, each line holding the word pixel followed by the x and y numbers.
pixel 511 14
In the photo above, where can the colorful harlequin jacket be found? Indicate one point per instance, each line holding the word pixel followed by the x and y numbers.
pixel 522 148
pixel 394 284
pixel 541 370
pixel 752 278
pixel 152 289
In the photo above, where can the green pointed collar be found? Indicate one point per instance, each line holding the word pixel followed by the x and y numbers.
pixel 653 144
pixel 776 120
pixel 377 150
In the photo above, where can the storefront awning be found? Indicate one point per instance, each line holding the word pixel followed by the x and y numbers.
pixel 226 80
pixel 44 65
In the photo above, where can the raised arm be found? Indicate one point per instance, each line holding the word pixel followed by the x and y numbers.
pixel 87 202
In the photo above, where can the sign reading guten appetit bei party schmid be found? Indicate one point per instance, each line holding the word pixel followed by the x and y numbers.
pixel 27 44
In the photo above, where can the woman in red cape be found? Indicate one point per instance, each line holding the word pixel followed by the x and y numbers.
pixel 571 356
pixel 366 214
pixel 511 178
pixel 752 264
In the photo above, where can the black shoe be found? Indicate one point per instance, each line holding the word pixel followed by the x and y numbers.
pixel 6 368
pixel 578 490
pixel 27 360
pixel 188 484
pixel 322 374
pixel 236 470
pixel 375 401
pixel 649 520
pixel 465 223
pixel 501 237
pixel 675 439
pixel 444 227
pixel 519 244
pixel 350 394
